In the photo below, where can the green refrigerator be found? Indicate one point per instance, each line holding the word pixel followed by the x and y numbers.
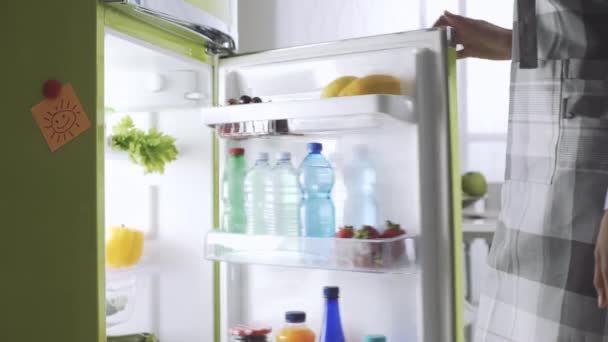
pixel 75 69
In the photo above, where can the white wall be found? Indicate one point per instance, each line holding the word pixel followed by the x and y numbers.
pixel 267 24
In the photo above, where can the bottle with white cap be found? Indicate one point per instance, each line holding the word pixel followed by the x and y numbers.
pixel 256 201
pixel 360 179
pixel 284 198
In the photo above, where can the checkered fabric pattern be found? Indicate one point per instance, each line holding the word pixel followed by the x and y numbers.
pixel 540 278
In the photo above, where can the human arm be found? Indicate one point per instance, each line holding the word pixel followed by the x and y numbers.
pixel 479 38
pixel 600 276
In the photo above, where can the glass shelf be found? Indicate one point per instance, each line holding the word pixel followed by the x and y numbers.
pixel 396 255
pixel 303 117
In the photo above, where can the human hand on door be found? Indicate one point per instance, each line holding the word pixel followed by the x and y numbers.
pixel 479 38
pixel 600 277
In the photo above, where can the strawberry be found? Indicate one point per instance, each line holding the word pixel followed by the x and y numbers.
pixel 367 232
pixel 345 232
pixel 392 230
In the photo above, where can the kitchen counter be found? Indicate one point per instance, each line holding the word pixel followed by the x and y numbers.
pixel 476 226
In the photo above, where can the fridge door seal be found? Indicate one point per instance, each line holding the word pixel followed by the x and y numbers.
pixel 217 42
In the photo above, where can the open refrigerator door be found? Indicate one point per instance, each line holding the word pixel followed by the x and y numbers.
pixel 405 287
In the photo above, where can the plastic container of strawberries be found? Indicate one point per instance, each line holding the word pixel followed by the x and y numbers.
pixel 378 255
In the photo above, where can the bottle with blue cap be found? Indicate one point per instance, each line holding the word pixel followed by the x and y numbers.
pixel 296 329
pixel 331 331
pixel 360 179
pixel 317 212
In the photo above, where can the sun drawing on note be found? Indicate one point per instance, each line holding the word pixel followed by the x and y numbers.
pixel 62 121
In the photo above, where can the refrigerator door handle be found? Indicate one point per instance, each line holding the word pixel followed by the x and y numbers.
pixel 218 42
pixel 436 238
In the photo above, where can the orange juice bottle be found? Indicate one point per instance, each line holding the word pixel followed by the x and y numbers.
pixel 296 329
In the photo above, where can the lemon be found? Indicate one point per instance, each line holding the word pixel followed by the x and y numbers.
pixel 336 86
pixel 373 84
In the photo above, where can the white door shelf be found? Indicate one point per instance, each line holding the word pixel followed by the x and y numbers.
pixel 302 117
pixel 395 255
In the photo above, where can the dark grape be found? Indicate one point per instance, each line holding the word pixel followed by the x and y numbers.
pixel 233 101
pixel 245 99
pixel 256 100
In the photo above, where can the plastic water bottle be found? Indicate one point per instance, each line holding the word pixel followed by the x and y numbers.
pixel 232 191
pixel 360 178
pixel 317 213
pixel 331 330
pixel 256 187
pixel 285 197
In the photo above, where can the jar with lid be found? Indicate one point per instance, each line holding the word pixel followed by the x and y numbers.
pixel 249 333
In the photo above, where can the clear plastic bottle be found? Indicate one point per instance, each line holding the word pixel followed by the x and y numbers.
pixel 317 212
pixel 256 201
pixel 296 329
pixel 285 197
pixel 232 191
pixel 360 180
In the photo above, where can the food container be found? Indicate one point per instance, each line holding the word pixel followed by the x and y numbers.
pixel 376 254
pixel 250 333
pixel 120 295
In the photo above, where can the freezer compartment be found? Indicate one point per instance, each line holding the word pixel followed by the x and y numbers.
pixel 330 115
pixel 396 255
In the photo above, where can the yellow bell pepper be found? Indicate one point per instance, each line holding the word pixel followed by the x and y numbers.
pixel 125 247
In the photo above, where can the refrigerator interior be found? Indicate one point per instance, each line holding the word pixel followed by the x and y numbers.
pixel 172 294
pixel 371 303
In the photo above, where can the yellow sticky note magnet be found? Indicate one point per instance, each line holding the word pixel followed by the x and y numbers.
pixel 61 119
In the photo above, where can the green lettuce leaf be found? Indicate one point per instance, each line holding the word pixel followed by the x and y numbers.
pixel 152 150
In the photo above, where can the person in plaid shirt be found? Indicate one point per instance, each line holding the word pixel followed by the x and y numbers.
pixel 548 265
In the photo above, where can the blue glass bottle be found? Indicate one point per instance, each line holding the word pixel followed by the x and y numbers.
pixel 332 325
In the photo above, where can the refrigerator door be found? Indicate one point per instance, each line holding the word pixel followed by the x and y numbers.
pixel 417 178
pixel 50 254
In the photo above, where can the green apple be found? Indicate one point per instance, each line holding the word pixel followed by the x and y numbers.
pixel 474 184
